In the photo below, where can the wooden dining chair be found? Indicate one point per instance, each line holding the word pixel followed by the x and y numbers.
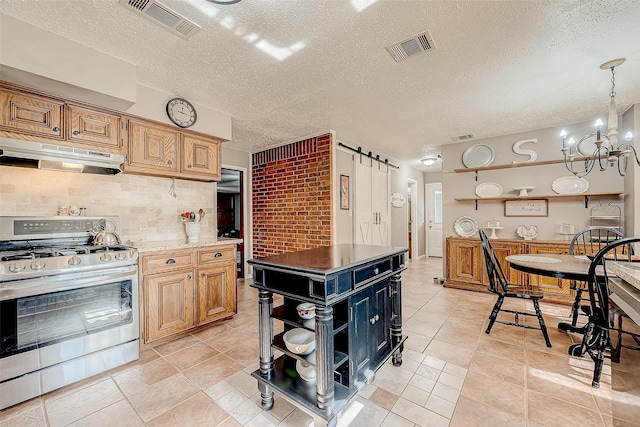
pixel 587 242
pixel 597 340
pixel 499 285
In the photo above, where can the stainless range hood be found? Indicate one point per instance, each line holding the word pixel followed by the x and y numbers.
pixel 40 155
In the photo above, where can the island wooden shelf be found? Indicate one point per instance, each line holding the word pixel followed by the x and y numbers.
pixel 538 197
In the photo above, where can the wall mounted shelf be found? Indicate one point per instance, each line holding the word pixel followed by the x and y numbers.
pixel 515 165
pixel 534 197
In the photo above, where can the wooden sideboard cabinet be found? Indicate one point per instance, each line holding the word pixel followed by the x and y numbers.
pixel 465 265
pixel 356 290
pixel 186 288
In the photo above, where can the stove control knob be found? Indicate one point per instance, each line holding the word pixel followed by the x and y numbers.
pixel 105 257
pixel 38 265
pixel 121 256
pixel 74 260
pixel 16 267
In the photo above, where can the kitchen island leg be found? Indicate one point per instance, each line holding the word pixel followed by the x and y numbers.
pixel 324 357
pixel 396 318
pixel 265 337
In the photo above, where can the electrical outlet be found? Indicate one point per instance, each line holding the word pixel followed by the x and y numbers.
pixel 142 225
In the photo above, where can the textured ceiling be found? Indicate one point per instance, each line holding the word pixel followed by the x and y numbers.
pixel 500 67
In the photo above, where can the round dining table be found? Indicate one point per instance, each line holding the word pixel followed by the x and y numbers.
pixel 570 267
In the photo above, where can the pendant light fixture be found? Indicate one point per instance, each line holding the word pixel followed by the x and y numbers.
pixel 612 153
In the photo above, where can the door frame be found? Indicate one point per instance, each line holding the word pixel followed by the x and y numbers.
pixel 246 215
pixel 414 216
pixel 428 203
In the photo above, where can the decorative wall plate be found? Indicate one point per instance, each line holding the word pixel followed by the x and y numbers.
pixel 466 226
pixel 586 145
pixel 478 155
pixel 570 185
pixel 489 189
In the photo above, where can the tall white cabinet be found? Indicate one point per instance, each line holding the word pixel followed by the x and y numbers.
pixel 371 203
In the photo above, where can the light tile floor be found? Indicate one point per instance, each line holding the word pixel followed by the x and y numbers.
pixel 452 374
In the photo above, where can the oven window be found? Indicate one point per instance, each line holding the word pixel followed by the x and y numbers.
pixel 45 319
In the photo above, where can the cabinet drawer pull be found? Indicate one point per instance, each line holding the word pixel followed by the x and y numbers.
pixel 76 132
pixel 56 128
pixel 376 270
pixel 218 255
pixel 189 277
pixel 377 317
pixel 372 320
pixel 169 162
pixel 189 166
pixel 202 275
pixel 170 261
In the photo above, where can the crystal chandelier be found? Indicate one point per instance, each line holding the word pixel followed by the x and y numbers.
pixel 610 153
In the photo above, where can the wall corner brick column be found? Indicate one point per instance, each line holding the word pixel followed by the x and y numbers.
pixel 292 197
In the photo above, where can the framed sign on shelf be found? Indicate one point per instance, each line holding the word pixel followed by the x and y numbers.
pixel 344 192
pixel 530 207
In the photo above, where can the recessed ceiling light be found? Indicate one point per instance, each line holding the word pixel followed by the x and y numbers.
pixel 224 1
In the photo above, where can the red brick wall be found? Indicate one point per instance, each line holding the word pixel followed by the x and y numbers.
pixel 292 197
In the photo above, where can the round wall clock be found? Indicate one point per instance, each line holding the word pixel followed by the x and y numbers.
pixel 181 112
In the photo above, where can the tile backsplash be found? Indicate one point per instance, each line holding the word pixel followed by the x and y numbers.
pixel 146 209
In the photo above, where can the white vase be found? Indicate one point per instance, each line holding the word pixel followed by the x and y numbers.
pixel 193 231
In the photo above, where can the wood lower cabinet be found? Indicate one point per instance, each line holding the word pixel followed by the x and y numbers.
pixel 156 149
pixel 465 265
pixel 186 288
pixel 216 299
pixel 463 258
pixel 168 304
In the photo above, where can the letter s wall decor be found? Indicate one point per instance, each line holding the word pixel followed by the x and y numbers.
pixel 531 153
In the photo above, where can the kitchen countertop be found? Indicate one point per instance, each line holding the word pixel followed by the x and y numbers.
pixel 167 245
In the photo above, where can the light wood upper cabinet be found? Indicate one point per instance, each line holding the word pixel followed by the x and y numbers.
pixel 31 115
pixel 156 149
pixel 152 149
pixel 95 128
pixel 201 157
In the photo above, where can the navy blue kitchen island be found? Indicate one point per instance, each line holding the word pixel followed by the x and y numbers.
pixel 356 290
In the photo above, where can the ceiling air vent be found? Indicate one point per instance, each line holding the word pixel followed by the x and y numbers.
pixel 410 47
pixel 163 16
pixel 462 137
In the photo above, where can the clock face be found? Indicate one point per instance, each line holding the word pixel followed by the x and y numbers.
pixel 181 112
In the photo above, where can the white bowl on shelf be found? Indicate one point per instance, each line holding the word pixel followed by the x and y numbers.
pixel 307 371
pixel 300 341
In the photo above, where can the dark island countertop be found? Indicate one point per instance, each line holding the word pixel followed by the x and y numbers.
pixel 326 260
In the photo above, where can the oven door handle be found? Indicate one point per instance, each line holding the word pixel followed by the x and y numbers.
pixel 63 282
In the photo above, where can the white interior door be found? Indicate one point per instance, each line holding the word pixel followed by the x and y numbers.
pixel 434 219
pixel 362 204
